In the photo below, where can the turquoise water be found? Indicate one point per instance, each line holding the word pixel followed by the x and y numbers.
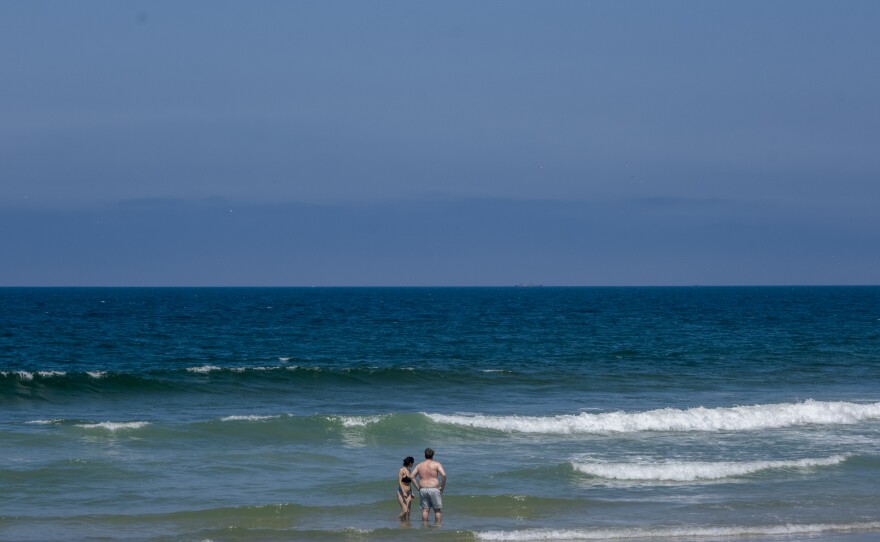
pixel 559 413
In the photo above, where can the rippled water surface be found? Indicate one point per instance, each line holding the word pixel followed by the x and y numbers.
pixel 559 413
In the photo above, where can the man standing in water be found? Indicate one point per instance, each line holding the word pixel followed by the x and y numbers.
pixel 430 488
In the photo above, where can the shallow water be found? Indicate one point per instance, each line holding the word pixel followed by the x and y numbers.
pixel 559 413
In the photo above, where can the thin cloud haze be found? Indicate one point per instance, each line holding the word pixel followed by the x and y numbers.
pixel 454 242
pixel 456 143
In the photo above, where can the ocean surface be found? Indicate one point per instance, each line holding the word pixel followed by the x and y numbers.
pixel 559 413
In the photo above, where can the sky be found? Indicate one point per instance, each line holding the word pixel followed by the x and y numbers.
pixel 212 143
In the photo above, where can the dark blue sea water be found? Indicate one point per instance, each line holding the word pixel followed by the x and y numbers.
pixel 559 413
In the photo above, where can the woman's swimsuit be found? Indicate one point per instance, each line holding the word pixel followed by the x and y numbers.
pixel 406 480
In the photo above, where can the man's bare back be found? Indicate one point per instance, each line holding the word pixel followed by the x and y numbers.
pixel 431 483
pixel 428 470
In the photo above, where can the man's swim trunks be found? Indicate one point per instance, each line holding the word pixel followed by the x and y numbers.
pixel 431 498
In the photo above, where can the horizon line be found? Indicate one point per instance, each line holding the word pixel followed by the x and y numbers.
pixel 524 286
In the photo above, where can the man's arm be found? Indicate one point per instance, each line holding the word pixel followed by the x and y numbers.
pixel 441 472
pixel 416 473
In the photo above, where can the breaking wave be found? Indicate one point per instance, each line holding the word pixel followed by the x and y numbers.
pixel 47 384
pixel 690 471
pixel 248 418
pixel 674 532
pixel 114 426
pixel 739 418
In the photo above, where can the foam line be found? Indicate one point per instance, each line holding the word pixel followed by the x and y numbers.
pixel 27 376
pixel 739 418
pixel 688 471
pixel 674 532
pixel 204 369
pixel 248 418
pixel 114 426
pixel 358 421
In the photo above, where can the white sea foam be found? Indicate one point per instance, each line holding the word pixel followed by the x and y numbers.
pixel 204 369
pixel 739 418
pixel 284 360
pixel 674 532
pixel 114 426
pixel 97 374
pixel 358 421
pixel 258 369
pixel 22 375
pixel 247 418
pixel 689 471
pixel 28 376
pixel 44 422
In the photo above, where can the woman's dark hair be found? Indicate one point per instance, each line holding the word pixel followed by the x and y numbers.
pixel 408 460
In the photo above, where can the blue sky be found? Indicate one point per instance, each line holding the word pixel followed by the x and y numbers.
pixel 424 143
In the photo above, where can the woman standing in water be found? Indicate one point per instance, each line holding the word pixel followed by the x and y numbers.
pixel 404 488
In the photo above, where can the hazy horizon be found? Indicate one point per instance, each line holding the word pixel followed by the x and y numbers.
pixel 392 143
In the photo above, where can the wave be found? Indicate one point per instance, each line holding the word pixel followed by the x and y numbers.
pixel 248 418
pixel 401 426
pixel 358 421
pixel 329 419
pixel 44 384
pixel 204 369
pixel 113 426
pixel 739 418
pixel 87 424
pixel 28 376
pixel 326 421
pixel 675 532
pixel 49 384
pixel 268 427
pixel 690 471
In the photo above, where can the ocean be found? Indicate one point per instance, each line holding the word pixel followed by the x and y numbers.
pixel 232 414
